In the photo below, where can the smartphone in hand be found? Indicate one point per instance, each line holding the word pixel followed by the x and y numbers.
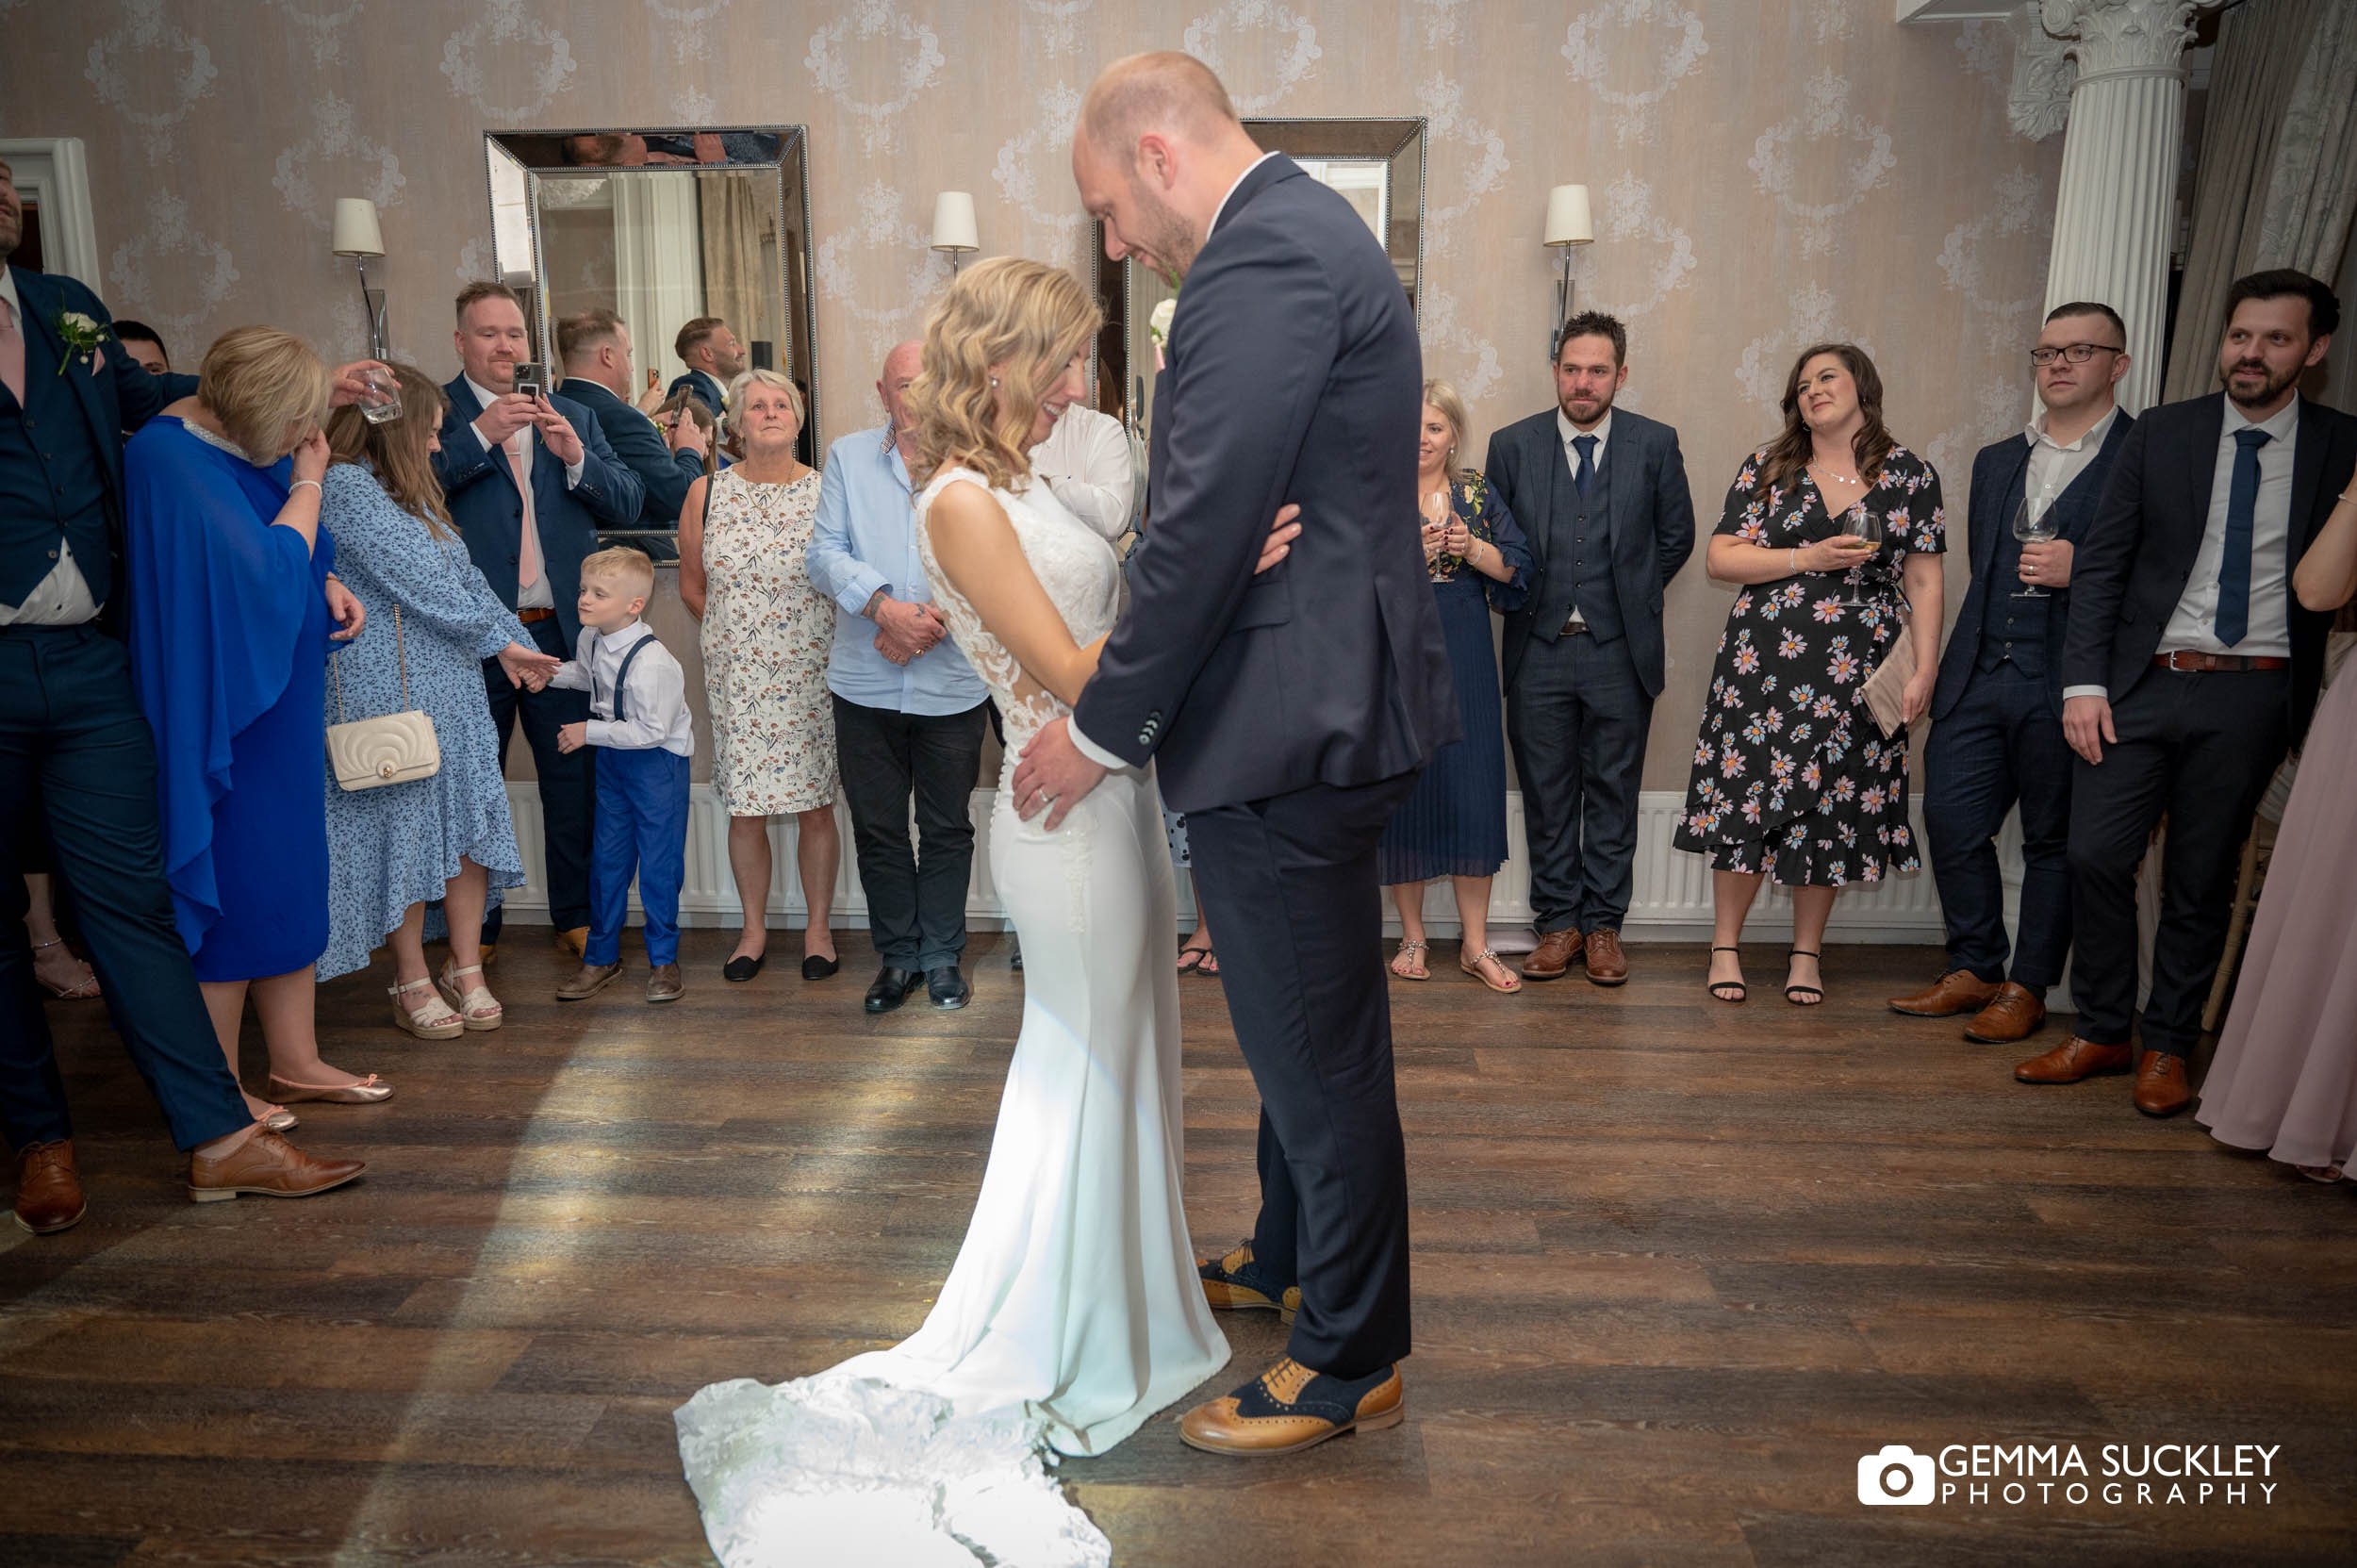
pixel 532 378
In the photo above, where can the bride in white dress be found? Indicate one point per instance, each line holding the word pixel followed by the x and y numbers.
pixel 1074 1310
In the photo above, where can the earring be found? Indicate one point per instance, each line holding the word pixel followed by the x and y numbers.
pixel 994 382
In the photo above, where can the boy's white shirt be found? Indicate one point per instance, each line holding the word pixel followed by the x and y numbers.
pixel 657 714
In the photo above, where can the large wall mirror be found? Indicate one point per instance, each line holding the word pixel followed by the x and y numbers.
pixel 1377 165
pixel 662 227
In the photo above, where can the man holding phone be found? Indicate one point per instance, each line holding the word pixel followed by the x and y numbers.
pixel 530 479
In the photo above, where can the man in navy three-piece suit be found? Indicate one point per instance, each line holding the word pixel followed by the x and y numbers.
pixel 1288 713
pixel 1997 736
pixel 76 757
pixel 529 481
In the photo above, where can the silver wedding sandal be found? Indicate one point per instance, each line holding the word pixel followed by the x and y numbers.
pixel 478 1009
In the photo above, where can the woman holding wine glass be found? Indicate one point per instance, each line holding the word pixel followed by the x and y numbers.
pixel 1833 532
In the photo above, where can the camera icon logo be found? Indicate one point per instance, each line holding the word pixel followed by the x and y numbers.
pixel 1896 1475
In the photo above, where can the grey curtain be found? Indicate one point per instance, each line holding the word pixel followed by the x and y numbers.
pixel 2276 185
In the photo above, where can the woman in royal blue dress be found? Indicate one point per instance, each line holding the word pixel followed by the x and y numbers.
pixel 1454 824
pixel 229 595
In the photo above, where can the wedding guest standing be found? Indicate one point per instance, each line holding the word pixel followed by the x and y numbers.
pixel 666 455
pixel 1792 777
pixel 528 480
pixel 1996 738
pixel 1088 465
pixel 1453 824
pixel 77 763
pixel 230 636
pixel 1602 494
pixel 393 849
pixel 714 358
pixel 766 635
pixel 142 343
pixel 2190 667
pixel 2285 1079
pixel 909 711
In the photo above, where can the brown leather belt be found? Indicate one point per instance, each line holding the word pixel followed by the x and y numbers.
pixel 528 617
pixel 2186 661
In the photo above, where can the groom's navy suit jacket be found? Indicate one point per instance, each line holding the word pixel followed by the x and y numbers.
pixel 1294 375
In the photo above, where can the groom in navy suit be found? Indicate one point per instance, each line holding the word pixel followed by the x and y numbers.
pixel 529 481
pixel 1997 736
pixel 78 759
pixel 1289 712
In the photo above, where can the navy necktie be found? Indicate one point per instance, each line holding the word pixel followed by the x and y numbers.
pixel 2242 504
pixel 1584 469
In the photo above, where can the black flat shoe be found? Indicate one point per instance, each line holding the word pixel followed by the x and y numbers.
pixel 947 987
pixel 742 968
pixel 891 988
pixel 816 968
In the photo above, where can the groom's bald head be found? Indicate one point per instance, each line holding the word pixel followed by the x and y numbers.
pixel 1165 93
pixel 1157 148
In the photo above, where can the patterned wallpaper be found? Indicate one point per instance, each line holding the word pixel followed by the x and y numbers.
pixel 1761 175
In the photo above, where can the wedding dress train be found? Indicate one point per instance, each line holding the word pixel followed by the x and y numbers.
pixel 1073 1312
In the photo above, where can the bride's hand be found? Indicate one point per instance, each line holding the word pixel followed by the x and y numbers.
pixel 1281 535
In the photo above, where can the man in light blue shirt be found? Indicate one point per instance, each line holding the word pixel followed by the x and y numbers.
pixel 909 711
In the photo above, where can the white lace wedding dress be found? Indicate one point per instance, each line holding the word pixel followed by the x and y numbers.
pixel 1073 1312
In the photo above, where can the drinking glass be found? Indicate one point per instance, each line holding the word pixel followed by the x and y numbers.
pixel 1861 522
pixel 2032 529
pixel 380 401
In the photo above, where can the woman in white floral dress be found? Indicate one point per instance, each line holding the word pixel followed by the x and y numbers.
pixel 767 633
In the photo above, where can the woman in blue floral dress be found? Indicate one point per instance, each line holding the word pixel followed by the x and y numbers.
pixel 447 837
pixel 1792 776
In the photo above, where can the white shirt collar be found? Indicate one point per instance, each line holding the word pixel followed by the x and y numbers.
pixel 1565 428
pixel 2278 428
pixel 1220 211
pixel 2035 432
pixel 8 292
pixel 618 641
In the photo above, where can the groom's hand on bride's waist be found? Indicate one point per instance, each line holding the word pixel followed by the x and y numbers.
pixel 1053 775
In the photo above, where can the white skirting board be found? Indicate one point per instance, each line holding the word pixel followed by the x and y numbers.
pixel 1671 901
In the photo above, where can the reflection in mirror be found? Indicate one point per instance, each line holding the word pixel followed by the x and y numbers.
pixel 1377 165
pixel 665 228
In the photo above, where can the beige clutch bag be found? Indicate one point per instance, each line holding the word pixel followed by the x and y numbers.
pixel 1886 688
pixel 395 748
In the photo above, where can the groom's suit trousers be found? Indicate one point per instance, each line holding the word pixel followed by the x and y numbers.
pixel 1290 885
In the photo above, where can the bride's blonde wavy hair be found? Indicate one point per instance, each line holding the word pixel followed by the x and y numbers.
pixel 1025 315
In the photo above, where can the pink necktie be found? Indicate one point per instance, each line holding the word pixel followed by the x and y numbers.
pixel 528 559
pixel 12 355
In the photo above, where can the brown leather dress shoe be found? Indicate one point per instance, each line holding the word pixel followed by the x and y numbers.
pixel 2074 1060
pixel 1234 1283
pixel 48 1193
pixel 1957 991
pixel 265 1166
pixel 664 983
pixel 1290 1407
pixel 1608 960
pixel 587 982
pixel 1556 951
pixel 2012 1015
pixel 2162 1089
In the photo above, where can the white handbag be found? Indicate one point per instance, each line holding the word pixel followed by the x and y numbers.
pixel 368 754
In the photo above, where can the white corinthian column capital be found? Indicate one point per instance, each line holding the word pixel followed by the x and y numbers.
pixel 2123 37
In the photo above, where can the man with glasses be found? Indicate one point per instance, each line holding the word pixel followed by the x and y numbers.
pixel 1997 734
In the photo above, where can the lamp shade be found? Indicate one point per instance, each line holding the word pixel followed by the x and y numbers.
pixel 357 233
pixel 953 222
pixel 1567 216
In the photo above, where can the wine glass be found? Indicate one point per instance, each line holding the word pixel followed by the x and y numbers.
pixel 2031 528
pixel 1861 522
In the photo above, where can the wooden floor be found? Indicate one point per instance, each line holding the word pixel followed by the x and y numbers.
pixel 1678 1266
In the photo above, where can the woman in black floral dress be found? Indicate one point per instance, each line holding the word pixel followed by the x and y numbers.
pixel 1792 776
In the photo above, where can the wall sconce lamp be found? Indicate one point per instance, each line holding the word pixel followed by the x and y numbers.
pixel 1567 227
pixel 954 233
pixel 358 236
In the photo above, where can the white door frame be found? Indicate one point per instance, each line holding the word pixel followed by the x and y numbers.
pixel 51 172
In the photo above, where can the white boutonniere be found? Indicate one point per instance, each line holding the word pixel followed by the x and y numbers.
pixel 1158 325
pixel 82 335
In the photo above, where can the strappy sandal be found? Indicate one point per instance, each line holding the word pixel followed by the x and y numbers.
pixel 1802 995
pixel 477 1008
pixel 81 990
pixel 1191 958
pixel 1411 952
pixel 431 1019
pixel 2320 1173
pixel 1477 967
pixel 1729 991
